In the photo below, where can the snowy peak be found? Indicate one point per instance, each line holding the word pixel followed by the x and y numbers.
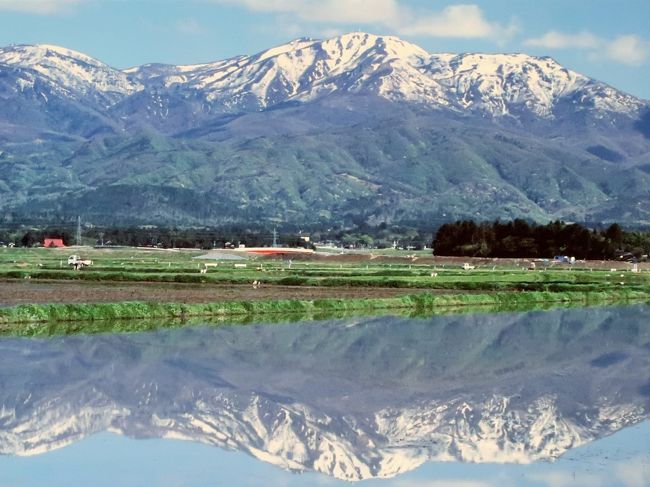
pixel 43 54
pixel 496 83
pixel 493 85
pixel 306 69
pixel 285 49
pixel 345 50
pixel 67 72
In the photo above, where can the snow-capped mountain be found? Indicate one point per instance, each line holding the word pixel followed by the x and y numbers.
pixel 313 131
pixel 351 399
pixel 307 69
pixel 68 73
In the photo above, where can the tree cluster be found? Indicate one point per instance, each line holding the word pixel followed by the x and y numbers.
pixel 151 236
pixel 380 236
pixel 35 237
pixel 519 238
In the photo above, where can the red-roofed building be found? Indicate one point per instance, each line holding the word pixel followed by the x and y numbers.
pixel 53 243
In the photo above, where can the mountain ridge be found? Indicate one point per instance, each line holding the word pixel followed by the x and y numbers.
pixel 332 56
pixel 259 137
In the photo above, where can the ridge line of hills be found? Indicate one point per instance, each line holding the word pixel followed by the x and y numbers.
pixel 357 128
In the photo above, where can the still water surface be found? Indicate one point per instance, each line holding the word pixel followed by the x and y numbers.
pixel 555 398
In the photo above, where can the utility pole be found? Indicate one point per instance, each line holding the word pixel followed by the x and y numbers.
pixel 275 237
pixel 78 230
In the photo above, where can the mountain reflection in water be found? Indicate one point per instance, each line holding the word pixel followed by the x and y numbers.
pixel 354 399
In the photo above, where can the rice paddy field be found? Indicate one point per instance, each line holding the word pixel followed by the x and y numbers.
pixel 38 285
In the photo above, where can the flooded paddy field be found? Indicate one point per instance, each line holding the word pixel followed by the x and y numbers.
pixel 540 398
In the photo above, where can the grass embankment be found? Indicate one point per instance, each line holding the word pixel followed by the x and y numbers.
pixel 30 320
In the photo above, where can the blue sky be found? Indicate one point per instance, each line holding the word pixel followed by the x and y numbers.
pixel 606 39
pixel 620 460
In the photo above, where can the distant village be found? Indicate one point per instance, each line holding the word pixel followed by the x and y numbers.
pixel 517 239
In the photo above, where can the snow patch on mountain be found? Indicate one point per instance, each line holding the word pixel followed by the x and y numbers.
pixel 305 69
pixel 67 72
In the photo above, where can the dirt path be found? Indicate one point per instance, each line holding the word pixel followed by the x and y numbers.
pixel 40 292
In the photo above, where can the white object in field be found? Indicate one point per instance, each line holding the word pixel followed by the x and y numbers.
pixel 467 266
pixel 635 267
pixel 240 266
pixel 77 262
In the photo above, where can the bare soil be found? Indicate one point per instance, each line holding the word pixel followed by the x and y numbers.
pixel 52 291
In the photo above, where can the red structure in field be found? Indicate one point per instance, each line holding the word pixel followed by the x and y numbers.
pixel 53 243
pixel 274 250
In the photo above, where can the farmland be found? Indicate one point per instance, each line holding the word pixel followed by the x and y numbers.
pixel 38 285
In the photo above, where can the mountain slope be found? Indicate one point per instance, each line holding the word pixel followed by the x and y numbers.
pixel 72 73
pixel 59 90
pixel 358 126
pixel 396 70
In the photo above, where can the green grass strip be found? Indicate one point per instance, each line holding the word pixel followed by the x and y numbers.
pixel 26 319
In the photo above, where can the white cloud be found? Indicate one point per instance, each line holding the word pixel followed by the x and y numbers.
pixel 630 49
pixel 345 11
pixel 468 17
pixel 459 20
pixel 559 40
pixel 466 21
pixel 40 7
pixel 626 49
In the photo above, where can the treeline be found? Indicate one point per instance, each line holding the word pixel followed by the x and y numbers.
pixel 191 238
pixel 519 238
pixel 365 236
pixel 33 237
pixel 152 237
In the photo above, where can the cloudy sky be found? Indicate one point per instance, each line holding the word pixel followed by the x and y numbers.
pixel 606 39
